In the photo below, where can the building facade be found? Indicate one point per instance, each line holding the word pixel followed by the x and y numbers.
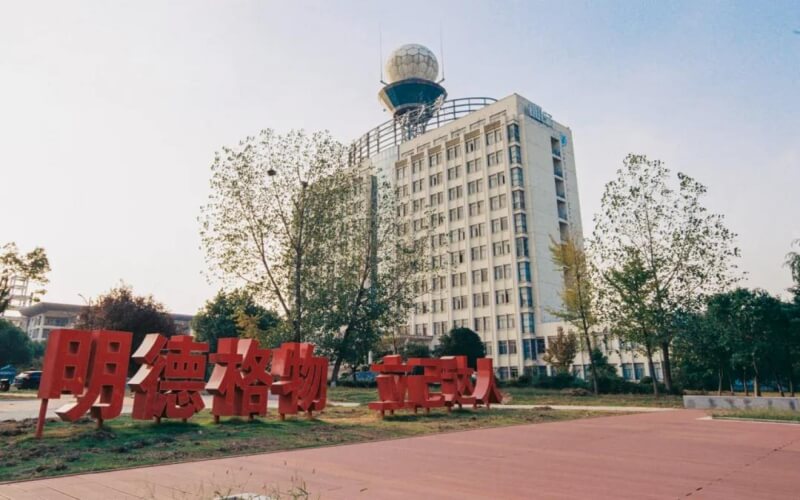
pixel 492 183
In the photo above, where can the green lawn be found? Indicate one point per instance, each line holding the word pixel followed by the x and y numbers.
pixel 757 414
pixel 530 395
pixel 72 448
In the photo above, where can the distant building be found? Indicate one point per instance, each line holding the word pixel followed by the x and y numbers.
pixel 41 318
pixel 493 183
pixel 20 298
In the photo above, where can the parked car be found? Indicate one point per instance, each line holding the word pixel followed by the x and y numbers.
pixel 28 380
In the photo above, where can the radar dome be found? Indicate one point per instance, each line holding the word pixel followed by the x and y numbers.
pixel 412 61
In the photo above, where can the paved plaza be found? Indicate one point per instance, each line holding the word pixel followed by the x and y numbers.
pixel 673 454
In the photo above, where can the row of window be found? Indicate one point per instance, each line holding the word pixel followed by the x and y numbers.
pixel 474 165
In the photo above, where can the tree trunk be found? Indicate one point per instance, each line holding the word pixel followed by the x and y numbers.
pixel 591 361
pixel 335 373
pixel 652 369
pixel 791 386
pixel 719 378
pixel 778 382
pixel 756 380
pixel 666 366
pixel 730 383
pixel 744 381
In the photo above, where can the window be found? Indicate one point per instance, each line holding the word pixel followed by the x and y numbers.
pixel 494 136
pixel 514 155
pixel 540 347
pixel 488 348
pixel 516 177
pixel 460 303
pixel 494 159
pixel 472 145
pixel 500 248
pixel 500 224
pixel 527 349
pixel 481 299
pixel 453 172
pixel 478 253
pixel 513 132
pixel 523 271
pixel 416 166
pixel 512 346
pixel 435 179
pixel 497 202
pixel 502 347
pixel 457 235
pixel 480 275
pixel 473 165
pixel 453 152
pixel 438 283
pixel 502 272
pixel 440 327
pixel 477 230
pixel 457 257
pixel 458 279
pixel 437 198
pixel 400 172
pixel 527 323
pixel 476 208
pixel 456 214
pixel 505 321
pixel 502 373
pixel 438 305
pixel 502 296
pixel 437 219
pixel 417 186
pixel 475 186
pixel 435 159
pixel 455 193
pixel 526 296
pixel 421 329
pixel 497 179
pixel 518 200
pixel 638 371
pixel 627 371
pixel 460 323
pixel 514 372
pixel 482 324
pixel 520 223
pixel 522 246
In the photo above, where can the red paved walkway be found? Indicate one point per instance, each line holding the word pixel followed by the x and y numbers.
pixel 656 455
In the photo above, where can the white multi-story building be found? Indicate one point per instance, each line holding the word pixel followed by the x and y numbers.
pixel 493 182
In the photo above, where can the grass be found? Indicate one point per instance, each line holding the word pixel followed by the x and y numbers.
pixel 533 396
pixel 69 448
pixel 759 414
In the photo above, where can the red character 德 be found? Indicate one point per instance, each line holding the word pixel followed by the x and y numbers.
pixel 169 382
pixel 240 382
pixel 92 365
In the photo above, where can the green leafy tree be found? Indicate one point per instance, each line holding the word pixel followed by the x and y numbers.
pixel 266 214
pixel 561 351
pixel 461 342
pixel 415 350
pixel 793 263
pixel 16 346
pixel 577 293
pixel 686 250
pixel 236 314
pixel 626 297
pixel 120 309
pixel 32 266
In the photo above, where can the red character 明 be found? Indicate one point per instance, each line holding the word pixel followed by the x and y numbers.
pixel 92 366
pixel 169 382
pixel 240 382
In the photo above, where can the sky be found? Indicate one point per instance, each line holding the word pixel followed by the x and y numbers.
pixel 110 112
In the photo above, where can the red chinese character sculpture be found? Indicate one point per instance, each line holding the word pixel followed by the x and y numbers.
pixel 240 382
pixel 392 384
pixel 91 365
pixel 303 379
pixel 457 385
pixel 486 391
pixel 169 382
pixel 419 395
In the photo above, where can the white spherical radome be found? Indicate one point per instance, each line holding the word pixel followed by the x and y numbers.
pixel 411 61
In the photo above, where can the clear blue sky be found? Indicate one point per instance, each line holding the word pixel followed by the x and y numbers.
pixel 110 112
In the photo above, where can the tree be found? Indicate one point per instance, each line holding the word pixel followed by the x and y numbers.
pixel 120 309
pixel 793 263
pixel 685 249
pixel 703 351
pixel 366 277
pixel 32 266
pixel 235 314
pixel 415 350
pixel 561 350
pixel 17 348
pixel 577 293
pixel 266 213
pixel 627 295
pixel 461 342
